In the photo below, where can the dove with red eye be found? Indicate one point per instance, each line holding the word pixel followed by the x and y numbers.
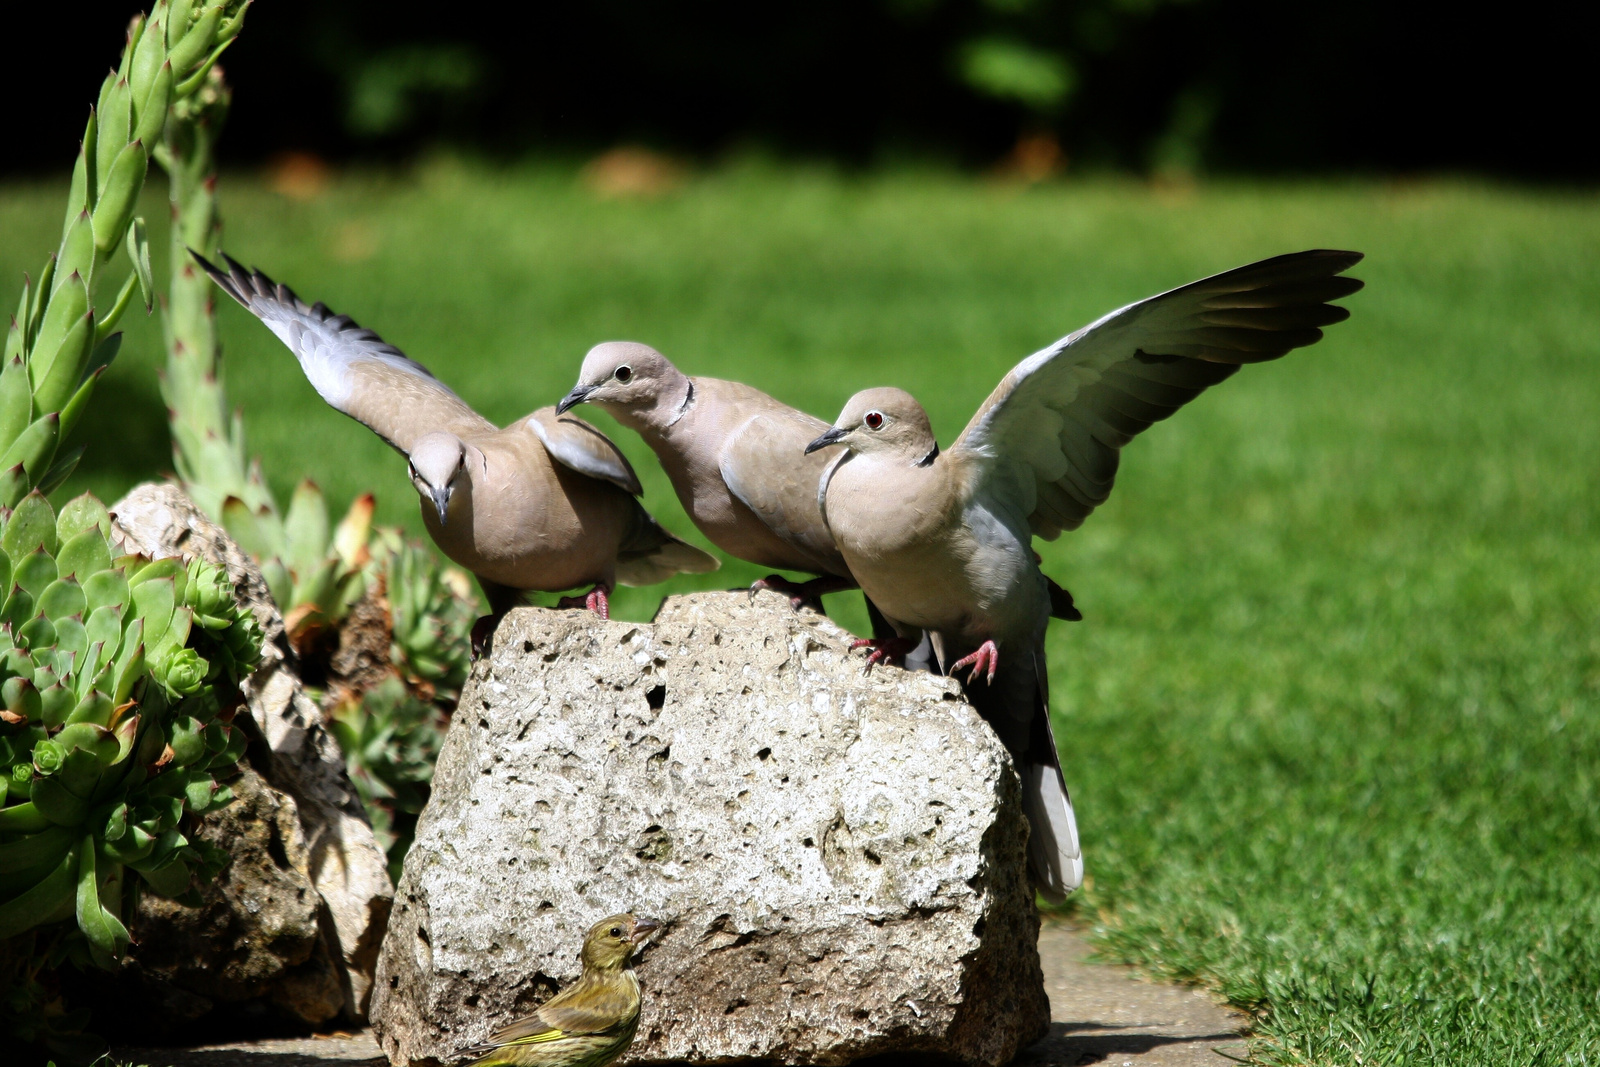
pixel 942 542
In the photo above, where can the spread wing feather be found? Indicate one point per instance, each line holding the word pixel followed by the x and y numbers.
pixel 353 369
pixel 1049 437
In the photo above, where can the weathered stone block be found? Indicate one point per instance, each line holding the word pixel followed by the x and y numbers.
pixel 838 856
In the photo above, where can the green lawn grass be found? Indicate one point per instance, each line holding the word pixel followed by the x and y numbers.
pixel 1332 720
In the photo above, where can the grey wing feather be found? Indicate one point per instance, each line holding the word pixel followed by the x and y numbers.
pixel 352 368
pixel 574 443
pixel 764 467
pixel 1048 438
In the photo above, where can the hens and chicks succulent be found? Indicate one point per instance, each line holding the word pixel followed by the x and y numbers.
pixel 119 677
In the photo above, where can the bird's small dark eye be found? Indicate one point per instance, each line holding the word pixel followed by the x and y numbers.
pixel 624 374
pixel 616 931
pixel 874 420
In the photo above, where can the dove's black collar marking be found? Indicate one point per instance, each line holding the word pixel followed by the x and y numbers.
pixel 927 461
pixel 688 398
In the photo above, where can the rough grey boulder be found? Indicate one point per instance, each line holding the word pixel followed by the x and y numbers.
pixel 838 856
pixel 348 869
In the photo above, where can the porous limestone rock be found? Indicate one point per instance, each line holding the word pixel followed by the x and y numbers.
pixel 346 865
pixel 838 856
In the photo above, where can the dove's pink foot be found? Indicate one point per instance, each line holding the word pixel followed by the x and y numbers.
pixel 595 600
pixel 885 649
pixel 987 658
pixel 803 594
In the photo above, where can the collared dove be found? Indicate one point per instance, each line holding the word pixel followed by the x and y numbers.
pixel 734 456
pixel 942 542
pixel 545 504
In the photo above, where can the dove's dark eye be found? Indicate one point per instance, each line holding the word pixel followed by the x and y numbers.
pixel 874 420
pixel 624 374
pixel 616 931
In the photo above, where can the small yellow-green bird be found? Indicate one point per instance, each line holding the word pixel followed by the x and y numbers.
pixel 592 1021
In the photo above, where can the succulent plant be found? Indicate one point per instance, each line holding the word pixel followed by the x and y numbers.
pixel 208 448
pixel 119 678
pixel 431 612
pixel 117 675
pixel 390 739
pixel 315 574
pixel 389 734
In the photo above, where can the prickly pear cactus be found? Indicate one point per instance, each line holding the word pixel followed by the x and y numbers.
pixel 119 678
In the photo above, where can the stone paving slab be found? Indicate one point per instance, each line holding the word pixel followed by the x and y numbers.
pixel 1101 1014
pixel 1105 1014
pixel 323 1050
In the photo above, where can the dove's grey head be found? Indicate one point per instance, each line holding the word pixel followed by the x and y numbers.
pixel 438 461
pixel 629 380
pixel 885 421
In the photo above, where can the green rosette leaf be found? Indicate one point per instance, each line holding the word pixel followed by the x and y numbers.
pixel 181 671
pixel 32 525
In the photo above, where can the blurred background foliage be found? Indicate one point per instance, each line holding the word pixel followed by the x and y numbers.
pixel 1222 85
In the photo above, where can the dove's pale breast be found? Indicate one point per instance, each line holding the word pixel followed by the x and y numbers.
pixel 927 555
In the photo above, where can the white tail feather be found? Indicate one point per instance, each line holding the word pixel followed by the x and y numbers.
pixel 1053 849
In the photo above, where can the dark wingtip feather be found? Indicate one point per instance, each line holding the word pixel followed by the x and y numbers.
pixel 1328 260
pixel 1061 605
pixel 1291 268
pixel 245 284
pixel 1339 261
pixel 1344 257
pixel 210 267
pixel 225 281
pixel 242 277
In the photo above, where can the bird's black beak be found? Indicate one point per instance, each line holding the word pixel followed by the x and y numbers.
pixel 832 437
pixel 643 928
pixel 579 394
pixel 441 501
